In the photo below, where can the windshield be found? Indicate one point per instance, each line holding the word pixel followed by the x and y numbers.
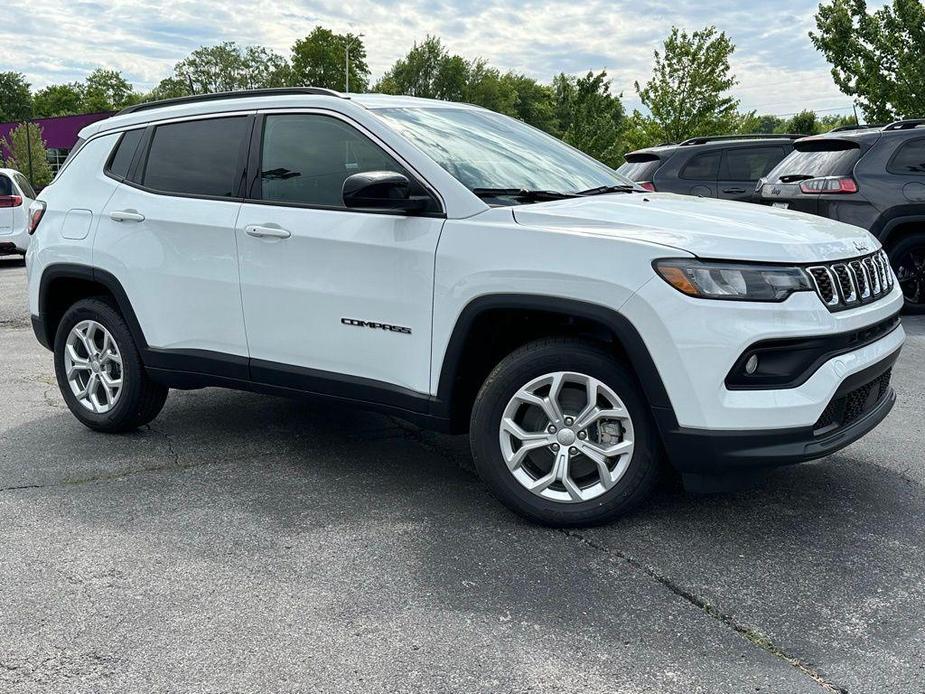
pixel 485 150
pixel 816 162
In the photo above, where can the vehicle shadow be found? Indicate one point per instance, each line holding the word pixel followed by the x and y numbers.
pixel 9 262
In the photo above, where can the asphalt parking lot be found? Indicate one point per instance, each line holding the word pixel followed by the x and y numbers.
pixel 247 543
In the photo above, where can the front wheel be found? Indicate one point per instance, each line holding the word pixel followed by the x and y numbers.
pixel 99 370
pixel 562 434
pixel 908 260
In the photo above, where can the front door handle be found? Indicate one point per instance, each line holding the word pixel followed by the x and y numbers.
pixel 735 191
pixel 266 232
pixel 126 216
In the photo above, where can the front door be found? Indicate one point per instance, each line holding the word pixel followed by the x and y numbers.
pixel 335 300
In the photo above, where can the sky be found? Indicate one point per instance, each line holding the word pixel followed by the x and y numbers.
pixel 778 68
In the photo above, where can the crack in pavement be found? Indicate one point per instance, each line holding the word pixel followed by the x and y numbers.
pixel 752 635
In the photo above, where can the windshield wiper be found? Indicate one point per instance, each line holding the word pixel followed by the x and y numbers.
pixel 621 188
pixel 794 178
pixel 521 194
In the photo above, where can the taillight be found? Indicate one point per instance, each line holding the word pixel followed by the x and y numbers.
pixel 10 200
pixel 829 184
pixel 36 212
pixel 648 185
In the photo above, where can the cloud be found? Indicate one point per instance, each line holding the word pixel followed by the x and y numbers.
pixel 778 68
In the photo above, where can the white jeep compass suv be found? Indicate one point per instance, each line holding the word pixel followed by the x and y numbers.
pixel 465 271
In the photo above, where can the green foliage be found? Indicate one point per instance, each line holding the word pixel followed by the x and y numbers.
pixel 688 92
pixel 590 118
pixel 876 57
pixel 58 100
pixel 17 146
pixel 803 123
pixel 428 71
pixel 106 90
pixel 15 98
pixel 318 60
pixel 224 68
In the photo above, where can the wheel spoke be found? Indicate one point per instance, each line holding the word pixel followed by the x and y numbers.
pixel 543 403
pixel 600 413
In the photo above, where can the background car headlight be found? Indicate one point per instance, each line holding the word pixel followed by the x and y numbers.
pixel 709 279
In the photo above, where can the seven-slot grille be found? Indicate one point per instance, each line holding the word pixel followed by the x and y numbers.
pixel 849 283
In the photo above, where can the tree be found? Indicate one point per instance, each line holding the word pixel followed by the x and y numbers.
pixel 688 92
pixel 15 98
pixel 318 60
pixel 428 71
pixel 876 57
pixel 224 68
pixel 106 90
pixel 58 100
pixel 803 123
pixel 590 117
pixel 17 146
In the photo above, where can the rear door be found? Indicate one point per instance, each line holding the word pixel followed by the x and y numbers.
pixel 743 166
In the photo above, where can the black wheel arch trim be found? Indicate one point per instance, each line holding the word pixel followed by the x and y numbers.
pixel 884 227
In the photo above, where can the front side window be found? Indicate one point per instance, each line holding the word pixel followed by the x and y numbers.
pixel 485 150
pixel 200 157
pixel 752 163
pixel 306 158
pixel 910 159
pixel 703 167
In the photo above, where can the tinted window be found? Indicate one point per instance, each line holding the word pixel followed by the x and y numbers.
pixel 640 167
pixel 703 167
pixel 24 185
pixel 910 159
pixel 124 153
pixel 6 185
pixel 823 159
pixel 199 157
pixel 306 158
pixel 751 164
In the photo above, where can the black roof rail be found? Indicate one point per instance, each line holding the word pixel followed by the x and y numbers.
pixel 907 124
pixel 753 136
pixel 858 126
pixel 242 94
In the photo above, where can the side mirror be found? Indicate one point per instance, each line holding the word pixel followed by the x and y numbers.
pixel 381 190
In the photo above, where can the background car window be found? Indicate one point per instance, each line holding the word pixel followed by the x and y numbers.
pixel 124 153
pixel 306 159
pixel 703 167
pixel 6 185
pixel 910 159
pixel 751 164
pixel 201 157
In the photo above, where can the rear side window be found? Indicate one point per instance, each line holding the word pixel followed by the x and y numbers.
pixel 750 164
pixel 122 156
pixel 703 167
pixel 910 159
pixel 201 157
pixel 306 158
pixel 817 158
pixel 640 167
pixel 24 185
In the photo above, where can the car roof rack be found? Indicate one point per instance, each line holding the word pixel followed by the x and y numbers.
pixel 242 94
pixel 856 126
pixel 907 124
pixel 752 136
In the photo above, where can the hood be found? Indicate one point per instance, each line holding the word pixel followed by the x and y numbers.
pixel 705 227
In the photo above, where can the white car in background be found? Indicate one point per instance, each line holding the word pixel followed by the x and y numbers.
pixel 16 195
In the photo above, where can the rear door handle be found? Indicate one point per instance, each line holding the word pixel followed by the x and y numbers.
pixel 266 232
pixel 126 216
pixel 734 190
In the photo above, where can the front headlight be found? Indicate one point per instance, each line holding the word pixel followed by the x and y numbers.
pixel 714 279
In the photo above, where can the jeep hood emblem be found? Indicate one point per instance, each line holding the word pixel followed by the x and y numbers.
pixel 860 246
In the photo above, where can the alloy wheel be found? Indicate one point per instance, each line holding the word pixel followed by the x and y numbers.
pixel 567 437
pixel 93 365
pixel 910 272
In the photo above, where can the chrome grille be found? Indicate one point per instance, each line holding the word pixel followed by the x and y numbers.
pixel 848 283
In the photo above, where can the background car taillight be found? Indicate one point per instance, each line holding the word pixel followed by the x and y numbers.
pixel 10 200
pixel 829 184
pixel 648 185
pixel 36 212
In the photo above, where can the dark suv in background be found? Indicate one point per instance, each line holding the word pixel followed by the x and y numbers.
pixel 873 177
pixel 726 166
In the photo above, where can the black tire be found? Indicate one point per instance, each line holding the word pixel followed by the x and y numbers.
pixel 140 399
pixel 908 256
pixel 537 359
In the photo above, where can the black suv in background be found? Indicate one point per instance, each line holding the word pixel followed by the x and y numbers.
pixel 726 166
pixel 873 177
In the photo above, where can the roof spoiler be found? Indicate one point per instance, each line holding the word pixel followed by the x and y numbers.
pixel 242 94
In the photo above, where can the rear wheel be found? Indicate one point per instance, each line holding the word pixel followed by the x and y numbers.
pixel 908 260
pixel 99 370
pixel 562 435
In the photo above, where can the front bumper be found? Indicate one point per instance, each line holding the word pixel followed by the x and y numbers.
pixel 710 452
